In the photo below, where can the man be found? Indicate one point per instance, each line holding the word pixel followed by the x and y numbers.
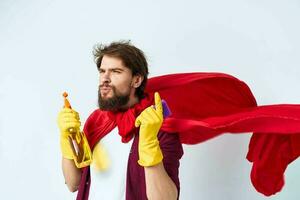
pixel 153 162
pixel 204 105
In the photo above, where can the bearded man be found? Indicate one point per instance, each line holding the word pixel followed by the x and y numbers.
pixel 204 105
pixel 153 155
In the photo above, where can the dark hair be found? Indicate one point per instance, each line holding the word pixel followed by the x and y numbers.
pixel 132 57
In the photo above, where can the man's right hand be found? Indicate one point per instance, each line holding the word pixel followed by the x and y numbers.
pixel 67 119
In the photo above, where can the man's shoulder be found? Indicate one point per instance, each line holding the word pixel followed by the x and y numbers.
pixel 171 147
pixel 169 140
pixel 96 114
pixel 96 118
pixel 163 135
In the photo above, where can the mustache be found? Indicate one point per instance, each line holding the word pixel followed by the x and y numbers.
pixel 105 85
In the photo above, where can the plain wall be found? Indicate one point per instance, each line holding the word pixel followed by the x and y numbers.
pixel 46 48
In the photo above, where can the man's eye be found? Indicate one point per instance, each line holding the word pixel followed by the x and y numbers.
pixel 117 71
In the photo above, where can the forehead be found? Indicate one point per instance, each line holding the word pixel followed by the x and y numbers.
pixel 109 62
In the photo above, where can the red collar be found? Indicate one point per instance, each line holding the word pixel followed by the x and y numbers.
pixel 125 120
pixel 100 123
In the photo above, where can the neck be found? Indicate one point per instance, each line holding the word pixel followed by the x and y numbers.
pixel 132 101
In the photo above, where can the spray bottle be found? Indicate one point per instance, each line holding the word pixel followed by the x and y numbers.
pixel 80 147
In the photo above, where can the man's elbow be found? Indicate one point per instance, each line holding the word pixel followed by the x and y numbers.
pixel 171 194
pixel 72 185
pixel 72 188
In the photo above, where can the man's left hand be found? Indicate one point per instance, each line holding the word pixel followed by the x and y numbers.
pixel 150 121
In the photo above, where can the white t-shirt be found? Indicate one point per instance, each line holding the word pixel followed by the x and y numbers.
pixel 111 184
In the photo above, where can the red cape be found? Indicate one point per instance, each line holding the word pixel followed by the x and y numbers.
pixel 205 105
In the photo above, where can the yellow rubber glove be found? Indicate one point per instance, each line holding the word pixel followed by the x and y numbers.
pixel 101 161
pixel 150 121
pixel 67 118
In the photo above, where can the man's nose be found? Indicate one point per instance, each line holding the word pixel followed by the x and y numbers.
pixel 105 78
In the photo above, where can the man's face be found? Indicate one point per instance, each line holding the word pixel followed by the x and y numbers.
pixel 116 82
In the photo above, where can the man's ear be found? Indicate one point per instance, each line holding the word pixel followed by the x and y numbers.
pixel 137 81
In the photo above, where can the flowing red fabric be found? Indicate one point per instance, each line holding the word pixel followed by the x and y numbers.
pixel 205 105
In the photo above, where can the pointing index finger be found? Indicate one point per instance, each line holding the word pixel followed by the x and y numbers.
pixel 158 104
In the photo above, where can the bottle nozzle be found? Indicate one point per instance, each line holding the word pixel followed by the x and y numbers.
pixel 67 103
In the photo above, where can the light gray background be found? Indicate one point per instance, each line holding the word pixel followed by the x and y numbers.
pixel 46 48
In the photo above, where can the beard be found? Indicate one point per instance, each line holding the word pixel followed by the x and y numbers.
pixel 114 103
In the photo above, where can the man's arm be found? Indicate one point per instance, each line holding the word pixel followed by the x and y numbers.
pixel 71 174
pixel 158 154
pixel 163 179
pixel 68 118
pixel 158 183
